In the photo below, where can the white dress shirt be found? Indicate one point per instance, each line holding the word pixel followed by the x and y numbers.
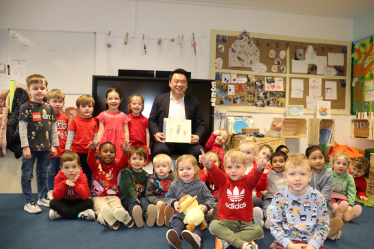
pixel 176 108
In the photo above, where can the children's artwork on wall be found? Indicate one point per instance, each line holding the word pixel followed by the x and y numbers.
pixel 269 83
pixel 218 63
pixel 330 90
pixel 311 102
pixel 242 79
pixel 279 84
pixel 295 111
pixel 369 85
pixel 221 48
pixel 282 54
pixel 323 109
pixel 259 85
pixel 234 78
pixel 297 88
pixel 259 68
pixel 177 130
pixel 240 88
pixel 329 72
pixel 299 54
pixel 277 61
pixel 226 78
pixel 243 52
pixel 335 59
pixel 272 54
pixel 283 69
pixel 218 76
pixel 315 86
pixel 274 68
pixel 231 90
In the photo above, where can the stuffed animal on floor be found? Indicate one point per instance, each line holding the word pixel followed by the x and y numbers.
pixel 193 214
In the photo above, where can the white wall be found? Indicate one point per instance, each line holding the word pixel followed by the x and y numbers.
pixel 165 20
pixel 362 26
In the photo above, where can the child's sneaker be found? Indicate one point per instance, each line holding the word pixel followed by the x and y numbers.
pixel 32 208
pixel 86 215
pixel 221 244
pixel 336 224
pixel 169 211
pixel 161 215
pixel 336 236
pixel 49 195
pixel 44 201
pixel 123 216
pixel 258 216
pixel 173 239
pixel 108 217
pixel 193 239
pixel 267 221
pixel 151 215
pixel 137 216
pixel 53 215
pixel 249 245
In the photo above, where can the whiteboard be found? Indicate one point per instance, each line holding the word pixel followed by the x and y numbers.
pixel 66 59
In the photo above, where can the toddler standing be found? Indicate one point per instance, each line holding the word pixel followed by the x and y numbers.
pixel 56 99
pixel 187 182
pixel 38 135
pixel 216 142
pixel 113 124
pixel 158 187
pixel 138 124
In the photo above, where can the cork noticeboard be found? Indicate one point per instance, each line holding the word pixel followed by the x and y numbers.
pixel 278 67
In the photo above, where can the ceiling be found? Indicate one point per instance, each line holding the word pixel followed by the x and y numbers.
pixel 334 8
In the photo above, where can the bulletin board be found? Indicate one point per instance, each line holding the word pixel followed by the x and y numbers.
pixel 363 76
pixel 281 56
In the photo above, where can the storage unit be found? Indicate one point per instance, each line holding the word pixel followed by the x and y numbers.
pixel 293 127
pixel 315 126
pixel 234 141
pixel 362 128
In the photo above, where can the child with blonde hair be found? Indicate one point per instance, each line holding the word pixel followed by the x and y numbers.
pixel 158 187
pixel 138 124
pixel 216 142
pixel 187 182
pixel 113 124
pixel 344 188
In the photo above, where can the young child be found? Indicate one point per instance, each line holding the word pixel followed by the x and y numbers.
pixel 138 124
pixel 71 191
pixel 38 135
pixel 104 192
pixel 249 148
pixel 113 124
pixel 158 187
pixel 299 217
pixel 81 131
pixel 187 182
pixel 283 148
pixel 234 225
pixel 56 99
pixel 216 142
pixel 344 189
pixel 360 166
pixel 323 182
pixel 134 181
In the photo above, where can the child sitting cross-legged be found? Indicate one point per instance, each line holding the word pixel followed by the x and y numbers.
pixel 299 217
pixel 71 191
pixel 105 194
pixel 134 181
pixel 158 186
pixel 235 213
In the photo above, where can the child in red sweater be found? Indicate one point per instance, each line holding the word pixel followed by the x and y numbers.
pixel 234 225
pixel 360 167
pixel 216 141
pixel 71 191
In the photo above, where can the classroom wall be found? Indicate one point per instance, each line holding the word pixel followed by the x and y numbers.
pixel 362 26
pixel 165 20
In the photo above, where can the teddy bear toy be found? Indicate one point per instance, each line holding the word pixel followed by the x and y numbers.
pixel 193 214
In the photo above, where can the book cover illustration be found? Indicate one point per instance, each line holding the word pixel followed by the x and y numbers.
pixel 177 130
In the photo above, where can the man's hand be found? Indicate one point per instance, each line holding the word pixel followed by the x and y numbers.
pixel 26 152
pixel 203 208
pixel 205 160
pixel 176 206
pixel 53 151
pixel 70 183
pixel 126 146
pixel 363 198
pixel 92 145
pixel 159 203
pixel 77 176
pixel 194 139
pixel 159 136
pixel 261 163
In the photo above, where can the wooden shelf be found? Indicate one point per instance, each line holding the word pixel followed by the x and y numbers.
pixel 315 126
pixel 293 127
pixel 362 129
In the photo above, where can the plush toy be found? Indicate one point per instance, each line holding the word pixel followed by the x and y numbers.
pixel 193 214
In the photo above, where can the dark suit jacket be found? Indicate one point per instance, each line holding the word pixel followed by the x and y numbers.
pixel 160 110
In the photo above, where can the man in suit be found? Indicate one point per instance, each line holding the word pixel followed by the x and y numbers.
pixel 176 104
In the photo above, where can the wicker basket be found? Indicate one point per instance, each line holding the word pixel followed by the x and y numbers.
pixel 234 141
pixel 249 130
pixel 361 132
pixel 371 175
